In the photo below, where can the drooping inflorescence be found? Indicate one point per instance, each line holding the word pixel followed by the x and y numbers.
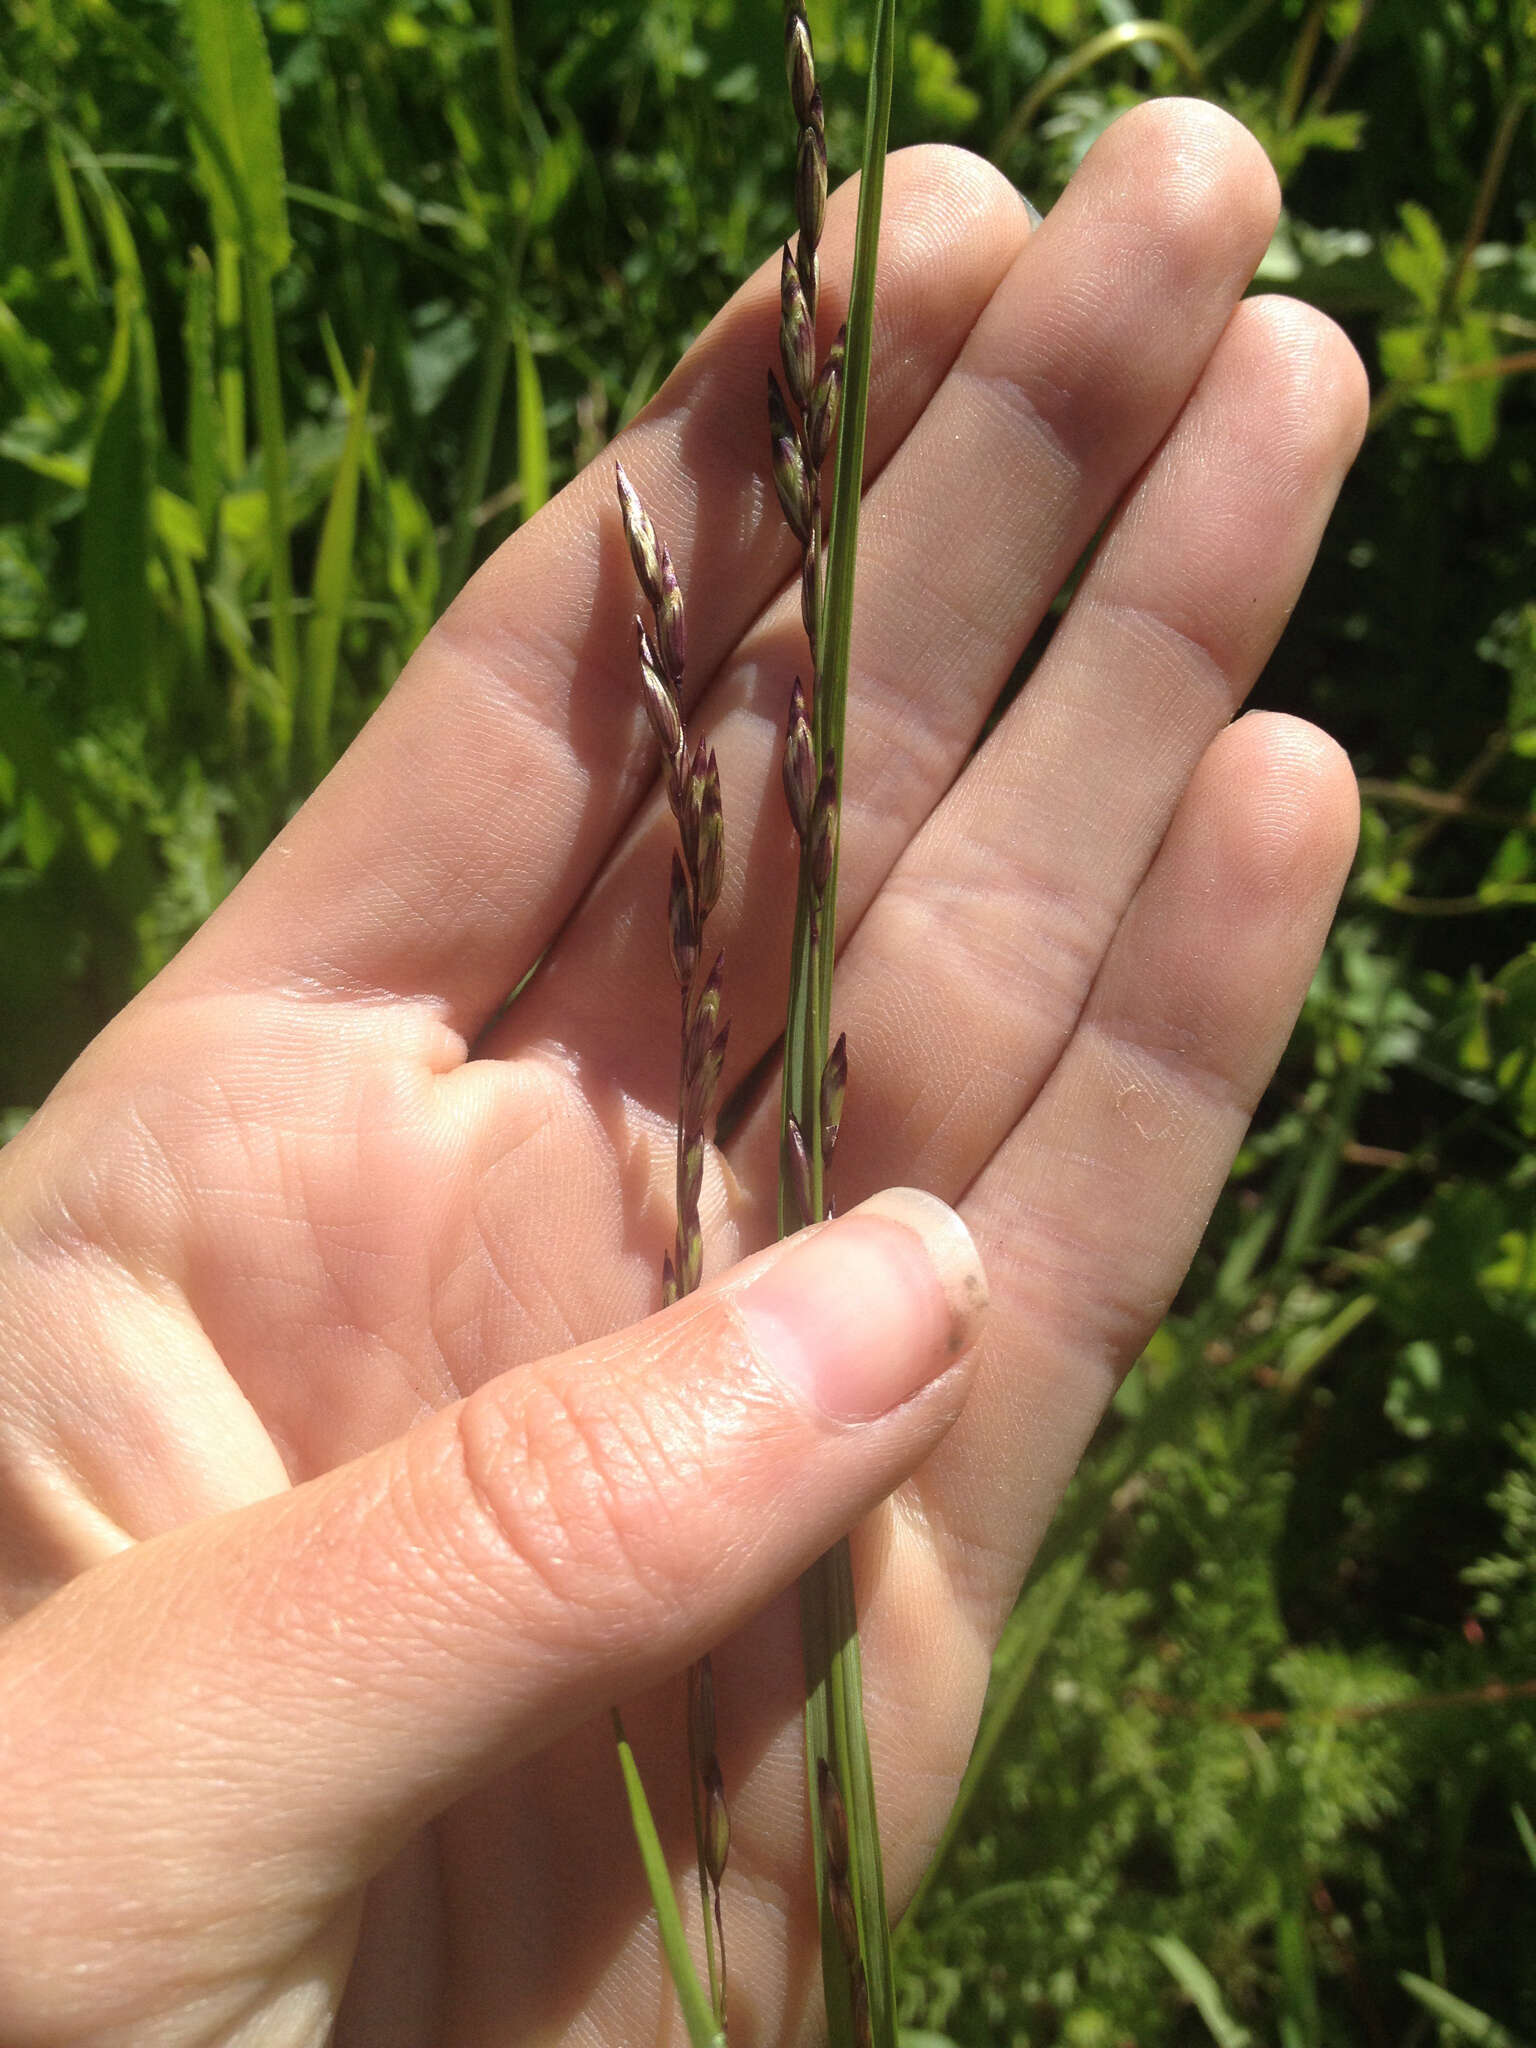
pixel 698 868
pixel 698 871
pixel 802 425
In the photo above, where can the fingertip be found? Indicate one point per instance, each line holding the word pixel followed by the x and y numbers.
pixel 1194 178
pixel 1293 811
pixel 1321 394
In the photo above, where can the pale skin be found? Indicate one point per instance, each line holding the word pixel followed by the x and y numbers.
pixel 343 1481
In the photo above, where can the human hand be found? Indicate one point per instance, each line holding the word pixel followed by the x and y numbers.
pixel 334 1508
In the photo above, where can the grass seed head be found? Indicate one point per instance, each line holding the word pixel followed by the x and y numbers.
pixel 810 597
pixel 780 426
pixel 792 481
pixel 824 824
pixel 705 1018
pixel 844 1918
pixel 701 1706
pixel 690 1185
pixel 690 1255
pixel 858 1998
pixel 834 1090
pixel 797 1160
pixel 682 930
pixel 717 1823
pixel 662 714
pixel 799 764
pixel 641 535
pixel 671 630
pixel 704 1080
pixel 834 1818
pixel 797 335
pixel 799 63
pixel 811 184
pixel 711 872
pixel 826 404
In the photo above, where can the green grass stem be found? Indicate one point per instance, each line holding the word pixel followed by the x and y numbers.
pixel 692 1998
pixel 834 1708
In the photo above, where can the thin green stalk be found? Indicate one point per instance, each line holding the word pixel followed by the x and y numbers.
pixel 859 1991
pixel 1494 166
pixel 698 2015
pixel 229 318
pixel 496 356
pixel 261 330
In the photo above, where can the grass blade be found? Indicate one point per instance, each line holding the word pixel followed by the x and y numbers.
pixel 532 431
pixel 693 1999
pixel 234 128
pixel 333 582
pixel 834 1707
pixel 848 474
pixel 482 436
pixel 240 97
pixel 1455 2013
pixel 202 394
pixel 115 543
pixel 1201 1988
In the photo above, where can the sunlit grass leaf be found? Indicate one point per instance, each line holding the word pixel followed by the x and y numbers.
pixel 693 1999
pixel 238 94
pixel 834 1706
pixel 1465 2020
pixel 1201 1988
pixel 202 392
pixel 333 581
pixel 115 544
pixel 532 431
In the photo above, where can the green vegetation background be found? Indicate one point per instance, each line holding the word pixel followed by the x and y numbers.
pixel 303 307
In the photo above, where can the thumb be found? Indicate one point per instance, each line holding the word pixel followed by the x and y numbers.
pixel 284 1691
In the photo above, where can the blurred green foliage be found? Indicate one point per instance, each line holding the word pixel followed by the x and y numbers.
pixel 304 304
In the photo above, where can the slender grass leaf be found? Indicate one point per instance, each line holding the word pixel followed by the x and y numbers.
pixel 72 218
pixel 202 394
pixel 1201 1988
pixel 266 375
pixel 1454 2012
pixel 834 1707
pixel 235 74
pixel 1301 2021
pixel 482 437
pixel 229 316
pixel 532 430
pixel 115 544
pixel 693 1999
pixel 333 581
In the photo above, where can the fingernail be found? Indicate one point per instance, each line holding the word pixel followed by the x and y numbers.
pixel 867 1310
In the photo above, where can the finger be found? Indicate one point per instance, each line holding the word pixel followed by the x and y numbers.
pixel 1069 379
pixel 1091 1213
pixel 1022 876
pixel 453 839
pixel 282 1693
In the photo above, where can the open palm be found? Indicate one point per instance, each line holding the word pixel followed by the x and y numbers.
pixel 321 1183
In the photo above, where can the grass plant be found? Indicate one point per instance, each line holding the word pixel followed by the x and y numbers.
pixel 1263 1695
pixel 829 404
